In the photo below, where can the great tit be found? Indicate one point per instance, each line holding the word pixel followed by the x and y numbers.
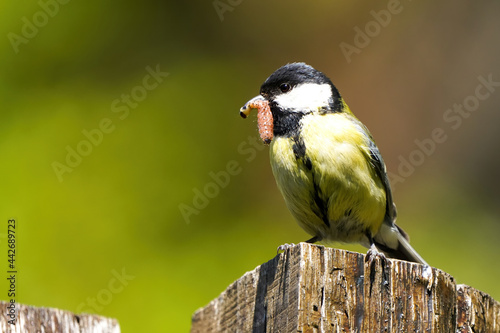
pixel 326 164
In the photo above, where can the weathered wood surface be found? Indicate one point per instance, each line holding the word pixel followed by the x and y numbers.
pixel 310 288
pixel 31 319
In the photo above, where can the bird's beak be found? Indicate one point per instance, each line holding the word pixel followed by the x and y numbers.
pixel 264 117
pixel 254 103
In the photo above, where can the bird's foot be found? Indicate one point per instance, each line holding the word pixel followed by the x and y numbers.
pixel 284 247
pixel 373 253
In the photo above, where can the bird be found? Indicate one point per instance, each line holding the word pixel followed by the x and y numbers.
pixel 326 163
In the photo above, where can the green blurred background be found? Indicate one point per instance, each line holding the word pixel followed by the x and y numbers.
pixel 118 212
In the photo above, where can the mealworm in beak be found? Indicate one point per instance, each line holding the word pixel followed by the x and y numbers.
pixel 264 117
pixel 265 122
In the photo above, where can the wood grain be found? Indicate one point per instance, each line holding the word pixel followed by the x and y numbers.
pixel 48 320
pixel 311 288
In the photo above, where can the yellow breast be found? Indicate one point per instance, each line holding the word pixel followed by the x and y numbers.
pixel 341 175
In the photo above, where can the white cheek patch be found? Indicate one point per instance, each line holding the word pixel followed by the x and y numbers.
pixel 306 97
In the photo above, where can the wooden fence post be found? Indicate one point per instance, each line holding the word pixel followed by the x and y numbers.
pixel 30 319
pixel 311 288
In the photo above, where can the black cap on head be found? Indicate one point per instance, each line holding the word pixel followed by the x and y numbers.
pixel 294 74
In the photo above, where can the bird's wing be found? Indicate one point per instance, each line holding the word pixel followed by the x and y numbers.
pixel 391 239
pixel 378 165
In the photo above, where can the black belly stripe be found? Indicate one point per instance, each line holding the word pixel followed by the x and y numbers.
pixel 322 212
pixel 320 208
pixel 299 150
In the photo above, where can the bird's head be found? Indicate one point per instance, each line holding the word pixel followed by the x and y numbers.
pixel 291 92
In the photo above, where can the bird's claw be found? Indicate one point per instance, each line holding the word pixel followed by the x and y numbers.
pixel 284 247
pixel 373 253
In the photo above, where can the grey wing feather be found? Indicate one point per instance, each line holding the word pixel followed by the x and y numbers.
pixel 403 250
pixel 379 166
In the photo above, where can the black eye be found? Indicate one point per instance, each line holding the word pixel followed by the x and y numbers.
pixel 285 87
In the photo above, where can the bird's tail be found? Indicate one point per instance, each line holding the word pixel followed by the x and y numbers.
pixel 394 242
